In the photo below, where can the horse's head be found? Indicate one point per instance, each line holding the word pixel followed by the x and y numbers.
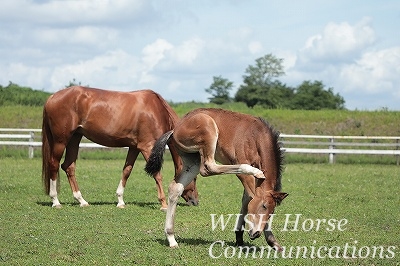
pixel 190 194
pixel 260 208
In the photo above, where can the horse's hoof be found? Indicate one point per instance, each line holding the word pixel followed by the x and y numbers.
pixel 85 205
pixel 174 246
pixel 278 248
pixel 164 209
pixel 57 206
pixel 121 206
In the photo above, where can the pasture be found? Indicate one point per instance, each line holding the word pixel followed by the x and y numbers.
pixel 33 233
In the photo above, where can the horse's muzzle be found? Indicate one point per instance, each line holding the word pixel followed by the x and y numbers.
pixel 192 202
pixel 254 235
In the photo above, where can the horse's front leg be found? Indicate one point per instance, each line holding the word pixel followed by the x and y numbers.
pixel 69 165
pixel 271 240
pixel 239 230
pixel 70 171
pixel 129 162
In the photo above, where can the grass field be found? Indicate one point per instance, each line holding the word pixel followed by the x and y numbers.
pixel 33 233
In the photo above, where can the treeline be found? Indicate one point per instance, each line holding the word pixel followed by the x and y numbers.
pixel 13 94
pixel 261 87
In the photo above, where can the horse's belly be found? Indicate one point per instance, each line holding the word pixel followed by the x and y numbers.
pixel 110 140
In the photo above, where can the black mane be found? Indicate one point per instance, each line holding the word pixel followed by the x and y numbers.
pixel 279 154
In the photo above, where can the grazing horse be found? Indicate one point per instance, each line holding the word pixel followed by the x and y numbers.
pixel 245 145
pixel 110 118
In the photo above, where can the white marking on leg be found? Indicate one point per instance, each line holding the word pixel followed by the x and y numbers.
pixel 248 169
pixel 53 194
pixel 79 198
pixel 172 242
pixel 174 191
pixel 120 195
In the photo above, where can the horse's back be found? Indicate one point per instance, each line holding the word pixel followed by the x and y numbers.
pixel 230 123
pixel 240 136
pixel 110 118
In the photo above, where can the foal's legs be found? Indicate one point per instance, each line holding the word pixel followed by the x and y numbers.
pixel 175 189
pixel 269 237
pixel 69 165
pixel 129 162
pixel 209 167
pixel 239 230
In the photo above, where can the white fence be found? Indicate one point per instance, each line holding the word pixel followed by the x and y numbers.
pixel 32 139
pixel 306 144
pixel 332 145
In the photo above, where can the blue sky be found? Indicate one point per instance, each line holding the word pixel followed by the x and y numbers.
pixel 175 47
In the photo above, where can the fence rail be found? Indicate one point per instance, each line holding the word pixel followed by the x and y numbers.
pixel 306 144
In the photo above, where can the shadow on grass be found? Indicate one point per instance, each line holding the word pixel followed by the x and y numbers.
pixel 192 241
pixel 151 205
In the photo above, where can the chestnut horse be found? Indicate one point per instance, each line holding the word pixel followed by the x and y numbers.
pixel 245 145
pixel 110 118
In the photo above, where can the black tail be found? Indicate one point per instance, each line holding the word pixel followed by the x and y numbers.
pixel 156 159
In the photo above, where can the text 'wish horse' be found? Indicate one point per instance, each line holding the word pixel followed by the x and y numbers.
pixel 245 145
pixel 110 118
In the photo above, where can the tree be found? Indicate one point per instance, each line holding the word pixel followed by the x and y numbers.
pixel 279 96
pixel 312 96
pixel 74 83
pixel 219 90
pixel 259 79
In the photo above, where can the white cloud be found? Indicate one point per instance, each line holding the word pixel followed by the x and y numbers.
pixel 116 67
pixel 188 51
pixel 174 85
pixel 338 42
pixel 255 47
pixel 85 35
pixel 152 55
pixel 374 72
pixel 33 76
pixel 72 12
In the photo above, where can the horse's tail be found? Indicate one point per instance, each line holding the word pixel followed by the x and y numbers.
pixel 156 158
pixel 47 141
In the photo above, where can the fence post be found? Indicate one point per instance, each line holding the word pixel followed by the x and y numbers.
pixel 31 139
pixel 331 147
pixel 397 148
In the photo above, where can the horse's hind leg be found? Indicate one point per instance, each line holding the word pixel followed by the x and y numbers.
pixel 189 171
pixel 158 178
pixel 129 162
pixel 54 165
pixel 69 165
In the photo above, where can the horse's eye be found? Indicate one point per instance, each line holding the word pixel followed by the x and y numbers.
pixel 264 206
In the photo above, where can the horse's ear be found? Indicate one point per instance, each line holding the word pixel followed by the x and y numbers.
pixel 279 196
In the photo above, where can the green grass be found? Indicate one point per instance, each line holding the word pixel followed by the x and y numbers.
pixel 33 233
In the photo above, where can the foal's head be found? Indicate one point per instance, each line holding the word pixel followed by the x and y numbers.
pixel 267 195
pixel 260 208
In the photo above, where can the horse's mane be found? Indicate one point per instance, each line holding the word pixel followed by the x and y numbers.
pixel 279 154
